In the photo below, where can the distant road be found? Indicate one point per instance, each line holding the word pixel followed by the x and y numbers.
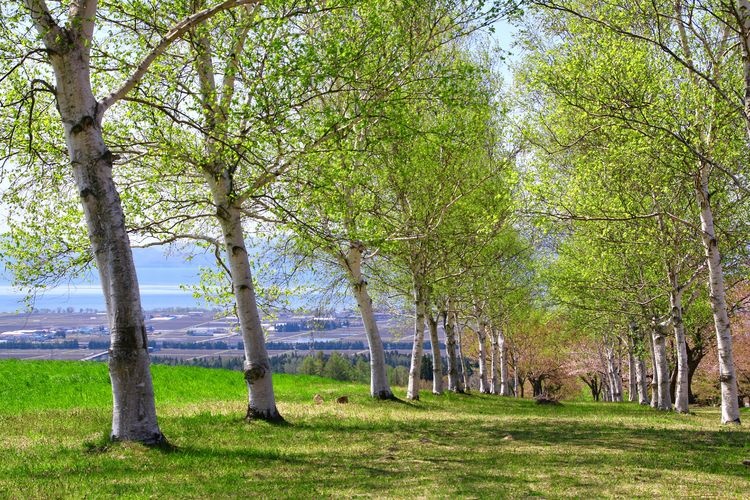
pixel 215 338
pixel 94 356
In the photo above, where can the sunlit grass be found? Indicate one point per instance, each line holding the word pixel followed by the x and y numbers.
pixel 54 418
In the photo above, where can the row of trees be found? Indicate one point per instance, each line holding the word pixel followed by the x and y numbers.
pixel 638 117
pixel 374 139
pixel 352 129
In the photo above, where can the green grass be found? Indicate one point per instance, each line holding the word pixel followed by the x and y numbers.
pixel 54 417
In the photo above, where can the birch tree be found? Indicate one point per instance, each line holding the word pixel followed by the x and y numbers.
pixel 66 44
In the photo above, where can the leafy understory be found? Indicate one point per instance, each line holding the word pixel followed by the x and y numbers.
pixel 54 418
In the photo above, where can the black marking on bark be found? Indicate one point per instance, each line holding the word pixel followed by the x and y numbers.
pixel 255 373
pixel 155 440
pixel 85 123
pixel 725 378
pixel 127 345
pixel 271 416
pixel 124 355
pixel 244 287
pixel 86 192
pixel 237 249
pixel 223 214
pixel 144 337
pixel 108 157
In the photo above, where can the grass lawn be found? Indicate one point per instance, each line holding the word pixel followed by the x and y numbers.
pixel 54 417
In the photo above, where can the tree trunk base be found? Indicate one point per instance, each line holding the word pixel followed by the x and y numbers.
pixel 733 422
pixel 272 416
pixel 384 396
pixel 156 440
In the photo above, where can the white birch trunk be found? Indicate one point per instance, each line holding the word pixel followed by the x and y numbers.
pixel 606 390
pixel 494 363
pixel 661 367
pixel 415 369
pixel 730 412
pixel 618 378
pixel 134 410
pixel 632 385
pixel 743 14
pixel 379 386
pixel 655 374
pixel 503 349
pixel 220 179
pixel 641 381
pixel 437 360
pixel 641 384
pixel 461 365
pixel 516 379
pixel 482 336
pixel 614 377
pixel 449 325
pixel 681 386
pixel 257 366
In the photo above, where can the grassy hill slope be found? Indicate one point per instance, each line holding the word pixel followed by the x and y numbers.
pixel 54 417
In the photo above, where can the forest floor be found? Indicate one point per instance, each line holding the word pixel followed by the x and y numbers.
pixel 54 417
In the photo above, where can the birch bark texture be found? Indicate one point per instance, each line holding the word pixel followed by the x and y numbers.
pixel 437 360
pixel 681 385
pixel 68 49
pixel 730 411
pixel 257 365
pixel 449 326
pixel 661 366
pixel 484 387
pixel 632 385
pixel 219 174
pixel 494 363
pixel 503 348
pixel 639 364
pixel 614 377
pixel 654 373
pixel 415 367
pixel 379 386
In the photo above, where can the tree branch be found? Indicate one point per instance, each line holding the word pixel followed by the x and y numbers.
pixel 43 20
pixel 83 17
pixel 174 34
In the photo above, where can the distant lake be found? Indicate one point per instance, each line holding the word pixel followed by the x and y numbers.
pixel 160 288
pixel 159 277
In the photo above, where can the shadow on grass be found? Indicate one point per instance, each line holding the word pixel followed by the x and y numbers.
pixel 555 444
pixel 461 450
